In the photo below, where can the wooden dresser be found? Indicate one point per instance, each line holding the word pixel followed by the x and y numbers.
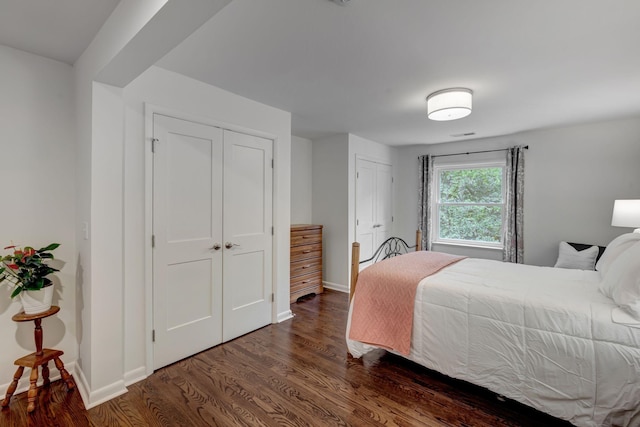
pixel 306 260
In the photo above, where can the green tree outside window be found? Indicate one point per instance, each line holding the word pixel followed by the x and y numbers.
pixel 470 204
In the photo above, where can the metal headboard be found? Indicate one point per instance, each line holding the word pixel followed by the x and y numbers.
pixel 391 247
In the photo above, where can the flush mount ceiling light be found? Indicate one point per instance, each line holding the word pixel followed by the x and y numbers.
pixel 449 104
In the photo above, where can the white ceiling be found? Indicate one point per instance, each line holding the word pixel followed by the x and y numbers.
pixel 366 68
pixel 58 29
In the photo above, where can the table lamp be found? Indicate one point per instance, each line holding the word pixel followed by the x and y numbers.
pixel 626 213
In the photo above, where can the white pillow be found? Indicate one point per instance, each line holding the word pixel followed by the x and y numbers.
pixel 623 278
pixel 614 249
pixel 569 257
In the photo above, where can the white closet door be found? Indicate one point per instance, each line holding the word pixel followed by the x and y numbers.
pixel 248 239
pixel 187 223
pixel 374 209
pixel 384 203
pixel 366 207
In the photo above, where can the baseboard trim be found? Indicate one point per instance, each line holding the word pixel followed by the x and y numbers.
pixel 135 375
pixel 336 287
pixel 285 315
pixel 95 398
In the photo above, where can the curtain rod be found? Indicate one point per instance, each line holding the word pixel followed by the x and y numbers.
pixel 526 147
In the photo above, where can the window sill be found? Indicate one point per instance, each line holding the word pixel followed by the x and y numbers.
pixel 467 245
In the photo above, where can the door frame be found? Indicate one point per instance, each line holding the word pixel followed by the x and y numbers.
pixel 149 111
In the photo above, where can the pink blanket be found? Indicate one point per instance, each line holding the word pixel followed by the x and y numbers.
pixel 384 298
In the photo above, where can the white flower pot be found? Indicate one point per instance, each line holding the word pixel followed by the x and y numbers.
pixel 34 302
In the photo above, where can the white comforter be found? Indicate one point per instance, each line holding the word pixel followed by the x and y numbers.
pixel 540 335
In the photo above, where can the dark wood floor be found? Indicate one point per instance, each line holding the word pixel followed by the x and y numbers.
pixel 296 373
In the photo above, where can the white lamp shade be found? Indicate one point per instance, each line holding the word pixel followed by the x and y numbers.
pixel 449 104
pixel 626 213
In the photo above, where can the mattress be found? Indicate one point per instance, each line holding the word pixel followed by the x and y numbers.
pixel 542 336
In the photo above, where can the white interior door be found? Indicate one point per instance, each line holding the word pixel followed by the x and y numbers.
pixel 384 203
pixel 365 206
pixel 248 228
pixel 187 225
pixel 374 209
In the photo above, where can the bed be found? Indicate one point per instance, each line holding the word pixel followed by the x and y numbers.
pixel 542 336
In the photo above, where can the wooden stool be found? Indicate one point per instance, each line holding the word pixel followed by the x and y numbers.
pixel 41 357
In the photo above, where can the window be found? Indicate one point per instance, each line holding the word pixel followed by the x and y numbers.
pixel 469 204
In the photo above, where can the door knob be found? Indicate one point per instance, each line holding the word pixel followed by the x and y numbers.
pixel 216 246
pixel 229 245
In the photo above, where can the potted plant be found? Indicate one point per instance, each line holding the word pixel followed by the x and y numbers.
pixel 25 270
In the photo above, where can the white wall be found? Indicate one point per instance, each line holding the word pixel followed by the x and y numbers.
pixel 106 234
pixel 100 362
pixel 572 176
pixel 189 97
pixel 135 36
pixel 301 187
pixel 38 176
pixel 331 205
pixel 334 173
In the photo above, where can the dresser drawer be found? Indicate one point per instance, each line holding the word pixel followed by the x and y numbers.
pixel 305 237
pixel 306 251
pixel 305 266
pixel 306 281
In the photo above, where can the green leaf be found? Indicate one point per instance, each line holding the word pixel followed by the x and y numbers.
pixel 16 291
pixel 51 247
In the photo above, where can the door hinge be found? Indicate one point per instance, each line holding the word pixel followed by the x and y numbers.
pixel 153 240
pixel 153 335
pixel 392 180
pixel 357 222
pixel 272 230
pixel 391 219
pixel 357 175
pixel 273 297
pixel 154 141
pixel 271 163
